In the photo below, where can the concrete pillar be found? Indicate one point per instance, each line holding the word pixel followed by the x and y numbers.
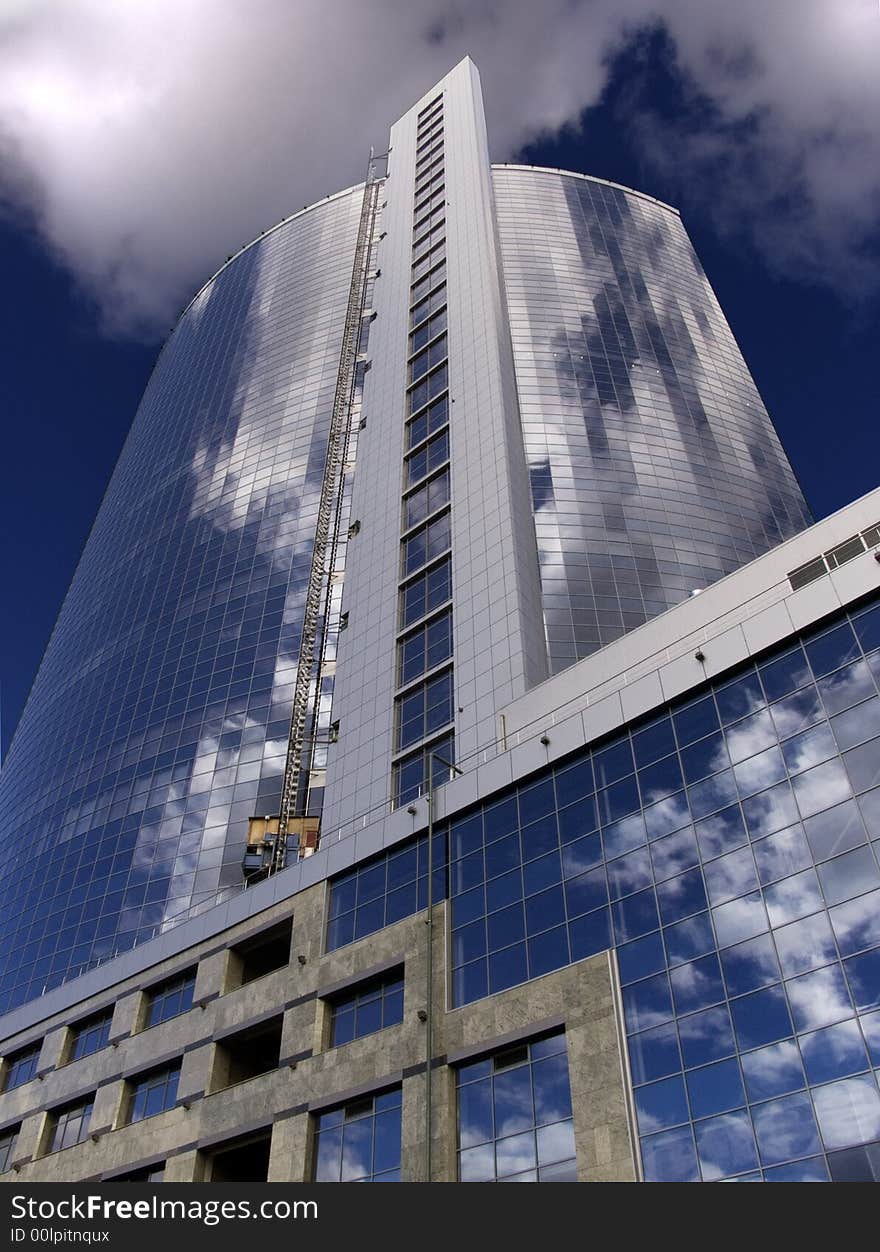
pixel 30 1139
pixel 195 1073
pixel 108 1110
pixel 53 1050
pixel 211 977
pixel 182 1168
pixel 127 1015
pixel 288 1159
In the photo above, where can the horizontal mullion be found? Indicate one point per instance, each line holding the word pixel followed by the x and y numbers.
pixel 420 410
pixel 426 520
pixel 427 344
pixel 419 745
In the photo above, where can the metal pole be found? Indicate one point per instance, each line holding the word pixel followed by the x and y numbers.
pixel 429 965
pixel 429 977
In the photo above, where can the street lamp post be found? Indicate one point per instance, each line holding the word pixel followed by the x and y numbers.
pixel 429 963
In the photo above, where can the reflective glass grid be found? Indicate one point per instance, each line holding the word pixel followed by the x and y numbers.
pixel 654 466
pixel 8 1140
pixel 425 647
pixel 159 720
pixel 426 592
pixel 728 850
pixel 514 1116
pixel 367 1010
pixel 361 1141
pixel 170 999
pixel 71 1125
pixel 154 1093
pixel 381 892
pixel 426 710
pixel 21 1066
pixel 426 458
pixel 91 1036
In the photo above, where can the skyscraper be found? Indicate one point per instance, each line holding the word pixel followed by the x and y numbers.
pixel 416 486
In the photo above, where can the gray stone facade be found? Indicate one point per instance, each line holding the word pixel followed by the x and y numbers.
pixel 311 1075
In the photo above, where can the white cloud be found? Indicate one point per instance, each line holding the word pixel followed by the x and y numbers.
pixel 149 139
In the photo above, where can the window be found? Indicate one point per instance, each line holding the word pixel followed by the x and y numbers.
pixel 430 179
pixel 429 305
pixel 260 955
pixel 426 592
pixel 153 1093
pixel 424 285
pixel 427 359
pixel 425 500
pixel 514 1116
pixel 428 330
pixel 428 458
pixel 428 151
pixel 436 235
pixel 429 388
pixel 429 213
pixel 369 1008
pixel 422 712
pixel 429 199
pixel 21 1066
pixel 429 173
pixel 244 1159
pixel 436 103
pixel 845 551
pixel 247 1054
pixel 8 1140
pixel 428 135
pixel 70 1125
pixel 91 1035
pixel 360 1142
pixel 432 418
pixel 170 998
pixel 426 543
pixel 807 573
pixel 385 890
pixel 428 261
pixel 429 645
pixel 411 773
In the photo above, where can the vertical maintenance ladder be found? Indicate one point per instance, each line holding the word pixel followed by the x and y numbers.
pixel 326 529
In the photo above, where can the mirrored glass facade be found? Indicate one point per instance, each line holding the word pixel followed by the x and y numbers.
pixel 728 851
pixel 159 720
pixel 514 1115
pixel 654 466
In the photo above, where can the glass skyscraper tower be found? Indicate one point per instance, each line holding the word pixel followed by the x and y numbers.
pixel 507 403
pixel 388 616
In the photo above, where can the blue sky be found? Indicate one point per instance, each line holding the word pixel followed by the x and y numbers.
pixel 129 176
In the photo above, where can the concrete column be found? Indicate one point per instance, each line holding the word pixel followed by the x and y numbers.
pixel 288 1158
pixel 308 927
pixel 195 1073
pixel 299 1033
pixel 30 1139
pixel 182 1168
pixel 52 1051
pixel 412 1130
pixel 211 977
pixel 108 1109
pixel 127 1015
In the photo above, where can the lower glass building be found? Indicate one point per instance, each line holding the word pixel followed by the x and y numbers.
pixel 727 851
